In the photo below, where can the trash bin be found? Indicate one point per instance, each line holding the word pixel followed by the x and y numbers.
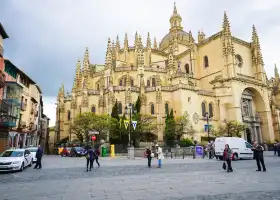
pixel 104 152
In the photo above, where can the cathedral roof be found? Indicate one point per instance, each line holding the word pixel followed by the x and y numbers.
pixel 182 36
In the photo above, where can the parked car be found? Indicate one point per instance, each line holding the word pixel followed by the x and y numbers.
pixel 33 151
pixel 80 151
pixel 15 160
pixel 66 152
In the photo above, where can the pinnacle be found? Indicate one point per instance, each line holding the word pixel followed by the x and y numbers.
pixel 174 9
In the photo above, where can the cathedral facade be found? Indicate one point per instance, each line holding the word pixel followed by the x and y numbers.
pixel 219 77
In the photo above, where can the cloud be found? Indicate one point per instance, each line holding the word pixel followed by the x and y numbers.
pixel 50 109
pixel 48 37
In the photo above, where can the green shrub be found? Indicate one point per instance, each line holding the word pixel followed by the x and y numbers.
pixel 187 142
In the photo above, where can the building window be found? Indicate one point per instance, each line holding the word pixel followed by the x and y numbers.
pixel 152 109
pixel 131 83
pixel 211 110
pixel 187 68
pixel 166 108
pixel 125 81
pixel 206 61
pixel 120 82
pixel 120 108
pixel 203 109
pixel 22 102
pixel 239 60
pixel 98 87
pixel 148 83
pixel 69 115
pixel 153 82
pixel 93 109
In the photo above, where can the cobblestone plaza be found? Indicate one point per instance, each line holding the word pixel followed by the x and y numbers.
pixel 118 178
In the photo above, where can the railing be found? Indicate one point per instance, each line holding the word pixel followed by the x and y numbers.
pixel 121 69
pixel 93 92
pixel 4 107
pixel 152 69
pixel 135 89
pixel 119 88
pixel 150 89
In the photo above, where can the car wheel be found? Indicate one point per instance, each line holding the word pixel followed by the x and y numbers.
pixel 30 165
pixel 235 157
pixel 22 167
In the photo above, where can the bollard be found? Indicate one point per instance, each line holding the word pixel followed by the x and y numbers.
pixel 171 154
pixel 112 150
pixel 183 154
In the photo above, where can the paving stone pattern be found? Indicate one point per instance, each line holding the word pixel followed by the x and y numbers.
pixel 120 179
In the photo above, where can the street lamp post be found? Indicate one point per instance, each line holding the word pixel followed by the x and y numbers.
pixel 58 126
pixel 207 121
pixel 129 110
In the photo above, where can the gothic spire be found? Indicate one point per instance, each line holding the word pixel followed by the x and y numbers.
pixel 148 41
pixel 108 59
pixel 175 9
pixel 276 73
pixel 86 63
pixel 256 49
pixel 125 41
pixel 78 74
pixel 118 44
pixel 228 48
pixel 155 43
pixel 136 40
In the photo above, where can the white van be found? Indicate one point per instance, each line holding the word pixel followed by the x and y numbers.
pixel 240 147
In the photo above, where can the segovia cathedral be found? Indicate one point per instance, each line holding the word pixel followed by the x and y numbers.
pixel 219 77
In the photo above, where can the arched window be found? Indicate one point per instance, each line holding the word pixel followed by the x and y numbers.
pixel 203 109
pixel 125 81
pixel 153 82
pixel 120 108
pixel 131 82
pixel 187 68
pixel 69 115
pixel 93 109
pixel 211 110
pixel 206 61
pixel 148 83
pixel 98 87
pixel 121 82
pixel 152 109
pixel 166 108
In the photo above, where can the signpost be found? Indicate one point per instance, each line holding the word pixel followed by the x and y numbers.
pixel 126 123
pixel 134 123
pixel 93 137
pixel 206 126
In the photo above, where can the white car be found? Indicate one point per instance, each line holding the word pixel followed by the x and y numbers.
pixel 15 160
pixel 33 151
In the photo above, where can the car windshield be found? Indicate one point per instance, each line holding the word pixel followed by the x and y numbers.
pixel 33 150
pixel 79 148
pixel 12 154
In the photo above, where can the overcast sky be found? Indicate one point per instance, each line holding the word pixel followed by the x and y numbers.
pixel 47 37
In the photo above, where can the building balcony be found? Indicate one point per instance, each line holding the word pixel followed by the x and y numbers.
pixel 8 115
pixel 2 79
pixel 13 93
pixel 251 119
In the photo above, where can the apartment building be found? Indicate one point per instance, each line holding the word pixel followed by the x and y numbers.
pixel 3 106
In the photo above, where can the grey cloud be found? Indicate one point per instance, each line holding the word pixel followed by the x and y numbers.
pixel 47 38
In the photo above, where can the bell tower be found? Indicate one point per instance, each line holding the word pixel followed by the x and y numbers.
pixel 175 21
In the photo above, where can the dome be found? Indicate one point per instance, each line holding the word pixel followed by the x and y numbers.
pixel 182 36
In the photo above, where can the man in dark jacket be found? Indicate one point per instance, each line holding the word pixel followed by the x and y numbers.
pixel 39 155
pixel 149 156
pixel 258 152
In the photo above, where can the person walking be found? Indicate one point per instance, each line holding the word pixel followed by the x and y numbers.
pixel 149 156
pixel 89 157
pixel 96 154
pixel 228 158
pixel 39 155
pixel 278 148
pixel 159 155
pixel 258 152
pixel 275 147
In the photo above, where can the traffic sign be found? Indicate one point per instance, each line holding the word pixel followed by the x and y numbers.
pixel 206 127
pixel 93 137
pixel 134 123
pixel 93 132
pixel 126 123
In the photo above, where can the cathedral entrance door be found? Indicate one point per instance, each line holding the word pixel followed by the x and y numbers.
pixel 248 135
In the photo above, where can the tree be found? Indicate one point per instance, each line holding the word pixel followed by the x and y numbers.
pixel 138 105
pixel 115 111
pixel 183 126
pixel 170 128
pixel 90 121
pixel 230 129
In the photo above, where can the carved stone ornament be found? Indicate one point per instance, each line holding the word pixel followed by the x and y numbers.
pixel 195 118
pixel 73 103
pixel 143 99
pixel 158 97
pixel 62 108
pixel 101 102
pixel 128 97
pixel 158 81
pixel 85 103
pixel 111 98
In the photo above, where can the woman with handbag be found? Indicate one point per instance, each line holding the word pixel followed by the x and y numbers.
pixel 90 158
pixel 227 158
